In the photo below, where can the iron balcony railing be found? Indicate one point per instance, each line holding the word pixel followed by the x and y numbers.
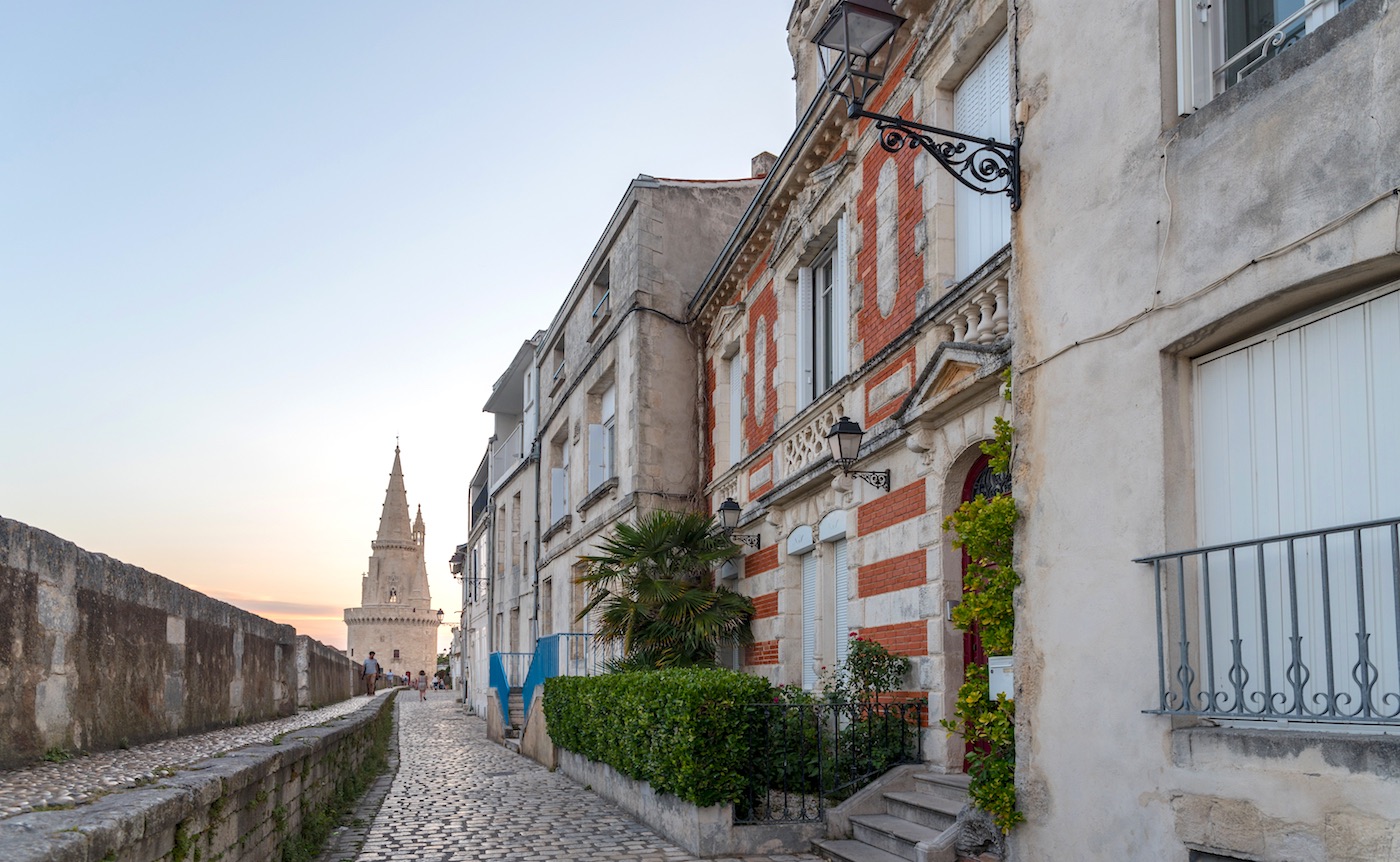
pixel 810 756
pixel 1282 35
pixel 567 654
pixel 505 456
pixel 1299 627
pixel 507 671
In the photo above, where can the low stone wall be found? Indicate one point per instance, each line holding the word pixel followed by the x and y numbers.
pixel 96 654
pixel 247 805
pixel 706 832
pixel 325 675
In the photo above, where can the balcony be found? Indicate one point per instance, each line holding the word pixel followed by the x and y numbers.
pixel 506 456
pixel 1301 627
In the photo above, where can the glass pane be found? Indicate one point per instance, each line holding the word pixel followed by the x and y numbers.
pixel 1247 21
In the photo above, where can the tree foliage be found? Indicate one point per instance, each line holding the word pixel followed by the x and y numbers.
pixel 647 584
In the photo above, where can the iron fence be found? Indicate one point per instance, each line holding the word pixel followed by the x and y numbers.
pixel 1299 627
pixel 809 756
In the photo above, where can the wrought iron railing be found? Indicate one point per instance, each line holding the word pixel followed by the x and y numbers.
pixel 505 456
pixel 1298 627
pixel 1282 35
pixel 507 671
pixel 810 756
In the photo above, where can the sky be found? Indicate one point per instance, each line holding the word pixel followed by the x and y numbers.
pixel 245 247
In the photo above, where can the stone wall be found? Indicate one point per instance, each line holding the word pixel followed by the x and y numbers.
pixel 325 675
pixel 99 654
pixel 249 804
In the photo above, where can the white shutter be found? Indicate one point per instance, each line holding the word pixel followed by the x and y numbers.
pixel 840 590
pixel 804 337
pixel 559 494
pixel 597 455
pixel 736 423
pixel 529 418
pixel 809 621
pixel 982 107
pixel 841 306
pixel 1193 63
pixel 609 405
pixel 1296 431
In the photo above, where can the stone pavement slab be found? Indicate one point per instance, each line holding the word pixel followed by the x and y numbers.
pixel 458 796
pixel 92 776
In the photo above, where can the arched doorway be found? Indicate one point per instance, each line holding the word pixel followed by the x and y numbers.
pixel 982 481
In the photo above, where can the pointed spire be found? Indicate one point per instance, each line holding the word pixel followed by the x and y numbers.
pixel 418 529
pixel 393 521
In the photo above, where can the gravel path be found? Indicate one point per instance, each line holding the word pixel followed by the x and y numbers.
pixel 86 777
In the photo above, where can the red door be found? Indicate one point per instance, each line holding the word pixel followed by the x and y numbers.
pixel 980 480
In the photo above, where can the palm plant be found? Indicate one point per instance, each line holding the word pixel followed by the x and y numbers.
pixel 648 580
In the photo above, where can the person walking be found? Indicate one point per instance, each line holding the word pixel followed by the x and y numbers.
pixel 370 675
pixel 422 685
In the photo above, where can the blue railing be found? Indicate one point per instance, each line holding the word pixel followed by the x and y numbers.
pixel 507 671
pixel 1299 627
pixel 566 654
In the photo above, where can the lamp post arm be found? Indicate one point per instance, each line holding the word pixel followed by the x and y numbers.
pixel 984 165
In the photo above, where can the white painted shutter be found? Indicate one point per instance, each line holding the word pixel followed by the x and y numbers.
pixel 597 455
pixel 982 107
pixel 530 417
pixel 736 424
pixel 809 621
pixel 559 494
pixel 1296 431
pixel 841 590
pixel 804 337
pixel 841 306
pixel 1193 62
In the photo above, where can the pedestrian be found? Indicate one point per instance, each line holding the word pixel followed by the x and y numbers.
pixel 370 674
pixel 422 685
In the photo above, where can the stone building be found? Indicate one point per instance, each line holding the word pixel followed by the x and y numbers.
pixel 395 618
pixel 596 420
pixel 870 285
pixel 1208 339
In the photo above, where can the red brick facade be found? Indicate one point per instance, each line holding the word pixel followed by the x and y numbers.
pixel 898 505
pixel 909 638
pixel 711 419
pixel 760 561
pixel 756 486
pixel 876 330
pixel 902 364
pixel 765 606
pixel 763 306
pixel 896 573
pixel 762 652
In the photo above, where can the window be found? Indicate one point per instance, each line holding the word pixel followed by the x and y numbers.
pixel 1295 431
pixel 1221 42
pixel 602 292
pixel 547 606
pixel 396 655
pixel 809 620
pixel 555 368
pixel 393 596
pixel 823 317
pixel 736 400
pixel 982 107
pixel 602 441
pixel 559 477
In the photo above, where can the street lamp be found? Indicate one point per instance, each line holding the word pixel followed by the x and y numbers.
pixel 850 42
pixel 439 616
pixel 845 437
pixel 729 520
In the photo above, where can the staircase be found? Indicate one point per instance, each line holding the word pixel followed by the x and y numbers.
pixel 910 817
pixel 516 711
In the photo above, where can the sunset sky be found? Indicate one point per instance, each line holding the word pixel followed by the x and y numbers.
pixel 243 246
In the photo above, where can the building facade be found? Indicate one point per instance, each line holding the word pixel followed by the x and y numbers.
pixel 863 284
pixel 395 618
pixel 1208 339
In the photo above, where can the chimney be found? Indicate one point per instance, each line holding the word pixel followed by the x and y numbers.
pixel 762 164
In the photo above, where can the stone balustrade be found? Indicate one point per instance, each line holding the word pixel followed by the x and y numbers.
pixel 983 317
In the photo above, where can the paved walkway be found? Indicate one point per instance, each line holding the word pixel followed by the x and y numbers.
pixel 459 797
pixel 87 776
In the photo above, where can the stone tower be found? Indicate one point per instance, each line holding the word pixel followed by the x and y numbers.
pixel 396 617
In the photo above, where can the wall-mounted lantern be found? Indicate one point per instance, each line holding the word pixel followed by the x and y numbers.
pixel 850 43
pixel 845 437
pixel 729 520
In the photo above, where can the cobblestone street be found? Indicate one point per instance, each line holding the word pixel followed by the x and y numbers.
pixel 458 796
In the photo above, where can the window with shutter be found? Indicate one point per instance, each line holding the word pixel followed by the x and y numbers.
pixel 823 320
pixel 597 456
pixel 809 621
pixel 982 107
pixel 841 596
pixel 736 426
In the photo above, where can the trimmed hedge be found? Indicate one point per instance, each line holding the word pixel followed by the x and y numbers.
pixel 684 731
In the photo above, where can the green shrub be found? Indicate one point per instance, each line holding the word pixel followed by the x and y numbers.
pixel 685 731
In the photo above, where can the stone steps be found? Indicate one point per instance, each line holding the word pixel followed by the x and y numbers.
pixel 911 818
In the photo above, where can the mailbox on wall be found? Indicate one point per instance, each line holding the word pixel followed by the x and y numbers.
pixel 1000 679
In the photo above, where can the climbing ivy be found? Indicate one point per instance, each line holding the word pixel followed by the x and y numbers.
pixel 985 529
